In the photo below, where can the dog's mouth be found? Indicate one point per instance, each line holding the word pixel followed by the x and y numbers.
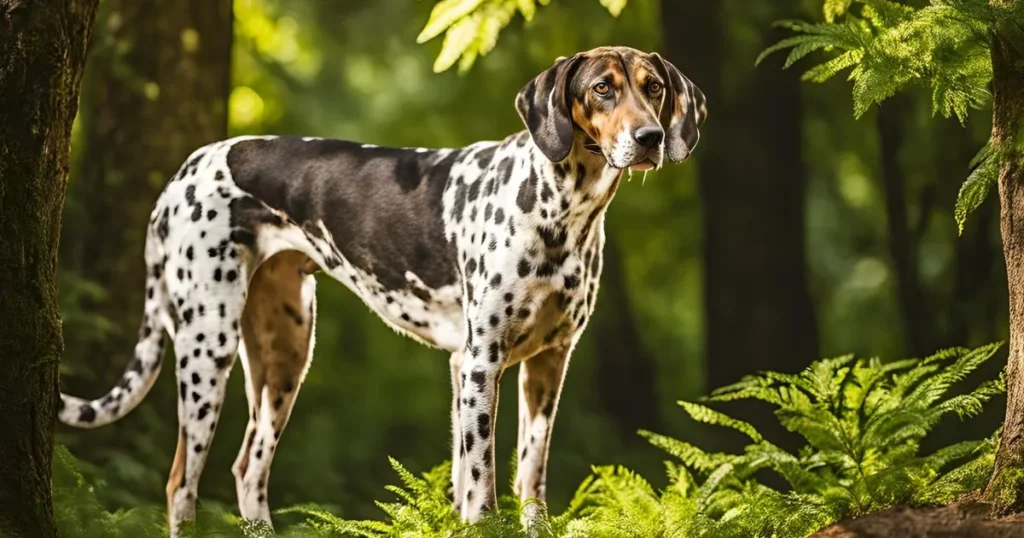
pixel 643 164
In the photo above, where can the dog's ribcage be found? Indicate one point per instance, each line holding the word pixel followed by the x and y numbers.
pixel 423 237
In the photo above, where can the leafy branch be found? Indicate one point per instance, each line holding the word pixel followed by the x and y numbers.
pixel 471 27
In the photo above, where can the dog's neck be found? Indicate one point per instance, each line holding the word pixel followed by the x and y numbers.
pixel 572 194
pixel 584 178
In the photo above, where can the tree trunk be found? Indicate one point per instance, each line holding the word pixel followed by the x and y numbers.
pixel 758 308
pixel 625 369
pixel 903 238
pixel 1006 487
pixel 43 46
pixel 156 89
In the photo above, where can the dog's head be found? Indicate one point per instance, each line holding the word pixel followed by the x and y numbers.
pixel 632 107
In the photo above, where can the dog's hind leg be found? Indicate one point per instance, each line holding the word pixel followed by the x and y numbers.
pixel 278 327
pixel 255 378
pixel 209 295
pixel 457 447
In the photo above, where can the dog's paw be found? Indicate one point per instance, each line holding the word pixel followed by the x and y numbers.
pixel 534 517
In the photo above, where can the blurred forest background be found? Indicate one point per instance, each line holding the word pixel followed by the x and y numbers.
pixel 795 232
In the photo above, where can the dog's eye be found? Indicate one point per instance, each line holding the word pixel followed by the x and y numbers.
pixel 655 87
pixel 602 88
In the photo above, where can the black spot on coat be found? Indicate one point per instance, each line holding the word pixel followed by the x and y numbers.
pixel 483 425
pixel 527 197
pixel 86 413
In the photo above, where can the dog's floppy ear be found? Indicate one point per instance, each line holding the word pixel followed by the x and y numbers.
pixel 683 112
pixel 543 105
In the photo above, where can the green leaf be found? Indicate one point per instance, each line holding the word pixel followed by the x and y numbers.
pixel 835 8
pixel 975 190
pixel 457 40
pixel 614 6
pixel 444 15
pixel 690 455
pixel 528 8
pixel 707 415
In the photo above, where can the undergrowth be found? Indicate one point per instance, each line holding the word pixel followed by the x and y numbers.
pixel 862 422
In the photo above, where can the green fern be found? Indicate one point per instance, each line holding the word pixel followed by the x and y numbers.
pixel 863 422
pixel 424 510
pixel 888 46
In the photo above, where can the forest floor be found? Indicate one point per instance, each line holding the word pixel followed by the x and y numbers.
pixel 969 519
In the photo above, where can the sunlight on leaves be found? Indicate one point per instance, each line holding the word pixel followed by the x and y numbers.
pixel 614 6
pixel 835 8
pixel 444 16
pixel 471 27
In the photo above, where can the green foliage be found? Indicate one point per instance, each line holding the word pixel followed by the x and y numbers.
pixel 863 423
pixel 977 186
pixel 79 513
pixel 471 27
pixel 888 46
pixel 424 509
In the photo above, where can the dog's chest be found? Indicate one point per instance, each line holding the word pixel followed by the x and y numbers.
pixel 528 237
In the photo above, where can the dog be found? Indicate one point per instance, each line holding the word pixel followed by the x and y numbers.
pixel 491 252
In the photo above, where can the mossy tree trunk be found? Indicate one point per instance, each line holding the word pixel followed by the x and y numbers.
pixel 156 89
pixel 43 46
pixel 1006 487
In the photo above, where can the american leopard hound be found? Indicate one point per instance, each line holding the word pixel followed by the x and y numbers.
pixel 491 252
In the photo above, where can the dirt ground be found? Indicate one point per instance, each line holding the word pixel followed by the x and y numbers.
pixel 963 520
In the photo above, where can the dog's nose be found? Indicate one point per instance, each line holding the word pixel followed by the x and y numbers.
pixel 649 137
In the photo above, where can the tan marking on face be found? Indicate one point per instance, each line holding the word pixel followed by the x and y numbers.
pixel 631 105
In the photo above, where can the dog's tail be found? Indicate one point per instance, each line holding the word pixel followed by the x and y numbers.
pixel 144 368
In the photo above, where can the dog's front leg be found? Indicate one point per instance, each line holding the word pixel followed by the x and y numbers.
pixel 540 383
pixel 481 369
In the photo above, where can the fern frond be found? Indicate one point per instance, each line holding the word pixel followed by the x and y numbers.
pixel 690 455
pixel 975 190
pixel 707 415
pixel 934 387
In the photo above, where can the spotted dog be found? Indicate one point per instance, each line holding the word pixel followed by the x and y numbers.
pixel 491 252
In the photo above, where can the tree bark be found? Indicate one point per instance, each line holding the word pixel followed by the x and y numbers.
pixel 1006 487
pixel 159 92
pixel 625 368
pixel 758 309
pixel 43 46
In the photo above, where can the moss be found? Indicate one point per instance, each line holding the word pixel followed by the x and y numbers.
pixel 1006 490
